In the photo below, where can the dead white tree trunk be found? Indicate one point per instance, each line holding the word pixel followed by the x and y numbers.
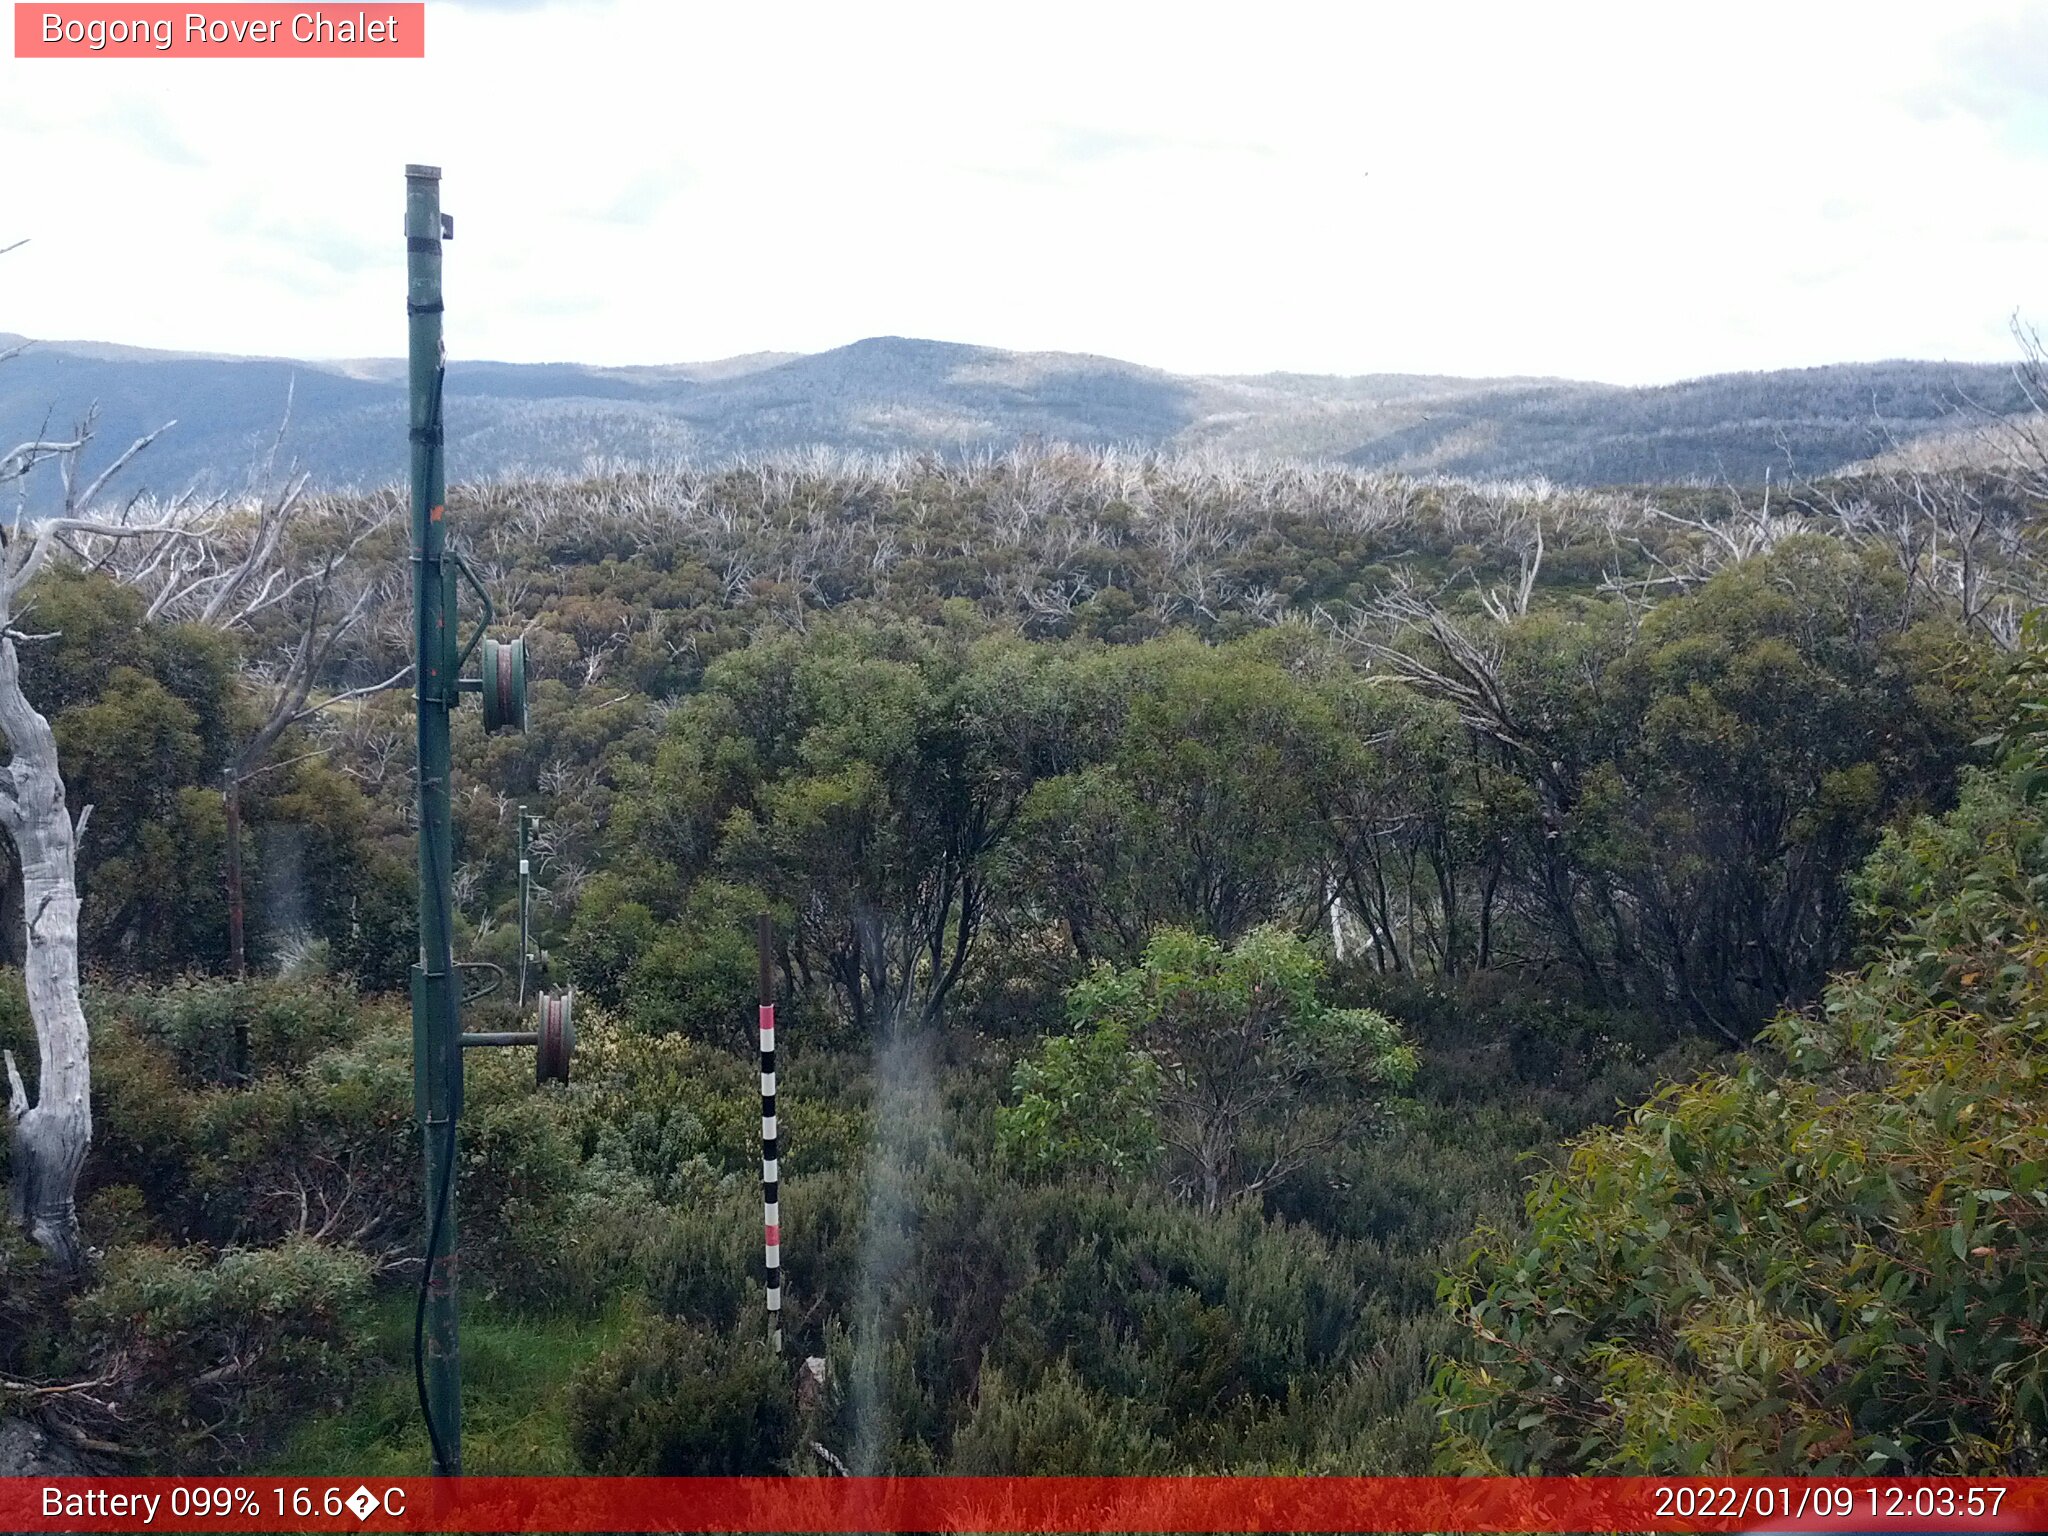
pixel 50 1136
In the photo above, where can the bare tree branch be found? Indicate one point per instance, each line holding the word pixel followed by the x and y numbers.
pixel 127 455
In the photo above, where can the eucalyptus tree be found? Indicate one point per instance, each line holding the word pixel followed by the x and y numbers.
pixel 863 778
pixel 1226 1057
pixel 294 580
pixel 1189 800
pixel 1698 781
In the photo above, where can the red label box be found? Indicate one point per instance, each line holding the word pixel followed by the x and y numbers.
pixel 220 31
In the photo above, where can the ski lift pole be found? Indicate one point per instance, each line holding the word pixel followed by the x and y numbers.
pixel 436 985
pixel 439 655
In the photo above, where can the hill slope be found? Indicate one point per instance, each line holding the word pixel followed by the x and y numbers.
pixel 888 393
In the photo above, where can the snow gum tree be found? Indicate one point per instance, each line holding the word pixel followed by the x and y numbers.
pixel 50 1133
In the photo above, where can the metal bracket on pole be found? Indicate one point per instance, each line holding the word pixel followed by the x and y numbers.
pixel 468 573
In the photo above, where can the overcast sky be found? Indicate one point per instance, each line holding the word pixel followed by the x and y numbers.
pixel 1634 193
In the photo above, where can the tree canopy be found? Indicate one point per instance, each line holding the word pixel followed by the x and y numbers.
pixel 1828 1260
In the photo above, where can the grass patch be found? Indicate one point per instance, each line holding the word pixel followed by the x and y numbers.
pixel 515 1387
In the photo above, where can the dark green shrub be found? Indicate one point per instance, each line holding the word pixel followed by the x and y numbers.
pixel 329 1151
pixel 37 1337
pixel 1057 1428
pixel 609 934
pixel 709 1267
pixel 679 1400
pixel 699 977
pixel 143 1124
pixel 215 1351
pixel 288 1022
pixel 679 1114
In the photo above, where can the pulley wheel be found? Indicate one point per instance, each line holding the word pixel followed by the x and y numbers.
pixel 557 1040
pixel 504 685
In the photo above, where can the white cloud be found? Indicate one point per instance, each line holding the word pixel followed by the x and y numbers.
pixel 1616 191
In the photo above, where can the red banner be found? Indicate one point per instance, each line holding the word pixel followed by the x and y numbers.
pixel 218 31
pixel 1900 1506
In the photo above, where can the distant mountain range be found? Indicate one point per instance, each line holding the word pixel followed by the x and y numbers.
pixel 348 418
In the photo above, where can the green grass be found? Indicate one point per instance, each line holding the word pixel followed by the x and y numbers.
pixel 515 1387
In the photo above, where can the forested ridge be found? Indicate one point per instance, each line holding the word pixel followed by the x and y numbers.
pixel 895 393
pixel 1281 969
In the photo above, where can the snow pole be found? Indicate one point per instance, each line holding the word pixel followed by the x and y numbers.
pixel 771 1172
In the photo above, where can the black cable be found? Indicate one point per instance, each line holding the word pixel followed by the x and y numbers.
pixel 440 1197
pixel 419 1318
pixel 432 434
pixel 435 1225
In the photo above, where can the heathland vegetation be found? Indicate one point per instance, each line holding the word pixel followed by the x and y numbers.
pixel 1207 897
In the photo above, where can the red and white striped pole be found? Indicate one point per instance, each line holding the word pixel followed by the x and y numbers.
pixel 771 1172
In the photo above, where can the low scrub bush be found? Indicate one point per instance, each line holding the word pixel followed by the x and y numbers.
pixel 677 1399
pixel 213 1352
